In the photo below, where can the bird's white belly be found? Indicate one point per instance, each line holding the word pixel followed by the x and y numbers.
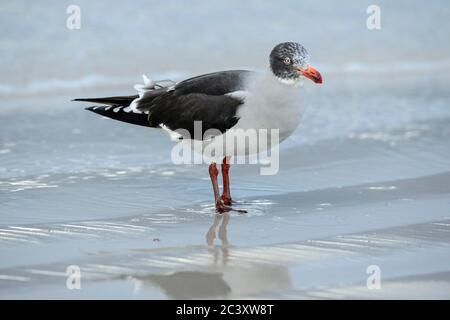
pixel 283 116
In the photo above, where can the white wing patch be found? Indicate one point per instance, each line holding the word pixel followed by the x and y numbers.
pixel 239 94
pixel 148 86
pixel 174 136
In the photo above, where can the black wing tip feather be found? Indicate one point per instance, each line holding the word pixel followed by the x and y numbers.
pixel 83 99
pixel 111 101
pixel 98 109
pixel 118 113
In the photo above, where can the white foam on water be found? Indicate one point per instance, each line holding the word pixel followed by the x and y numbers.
pixel 57 86
pixel 385 68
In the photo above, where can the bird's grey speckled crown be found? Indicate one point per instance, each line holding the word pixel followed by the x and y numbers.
pixel 287 56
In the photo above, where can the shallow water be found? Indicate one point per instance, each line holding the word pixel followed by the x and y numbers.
pixel 365 179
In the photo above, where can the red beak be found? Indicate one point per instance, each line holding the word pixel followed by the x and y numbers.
pixel 311 74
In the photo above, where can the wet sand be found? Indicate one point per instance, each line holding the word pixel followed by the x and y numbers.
pixel 105 197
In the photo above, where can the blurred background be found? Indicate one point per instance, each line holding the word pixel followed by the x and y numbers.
pixel 364 180
pixel 119 41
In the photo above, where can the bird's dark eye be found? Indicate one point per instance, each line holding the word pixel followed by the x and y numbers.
pixel 287 61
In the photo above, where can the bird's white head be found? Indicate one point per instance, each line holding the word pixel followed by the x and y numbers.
pixel 289 63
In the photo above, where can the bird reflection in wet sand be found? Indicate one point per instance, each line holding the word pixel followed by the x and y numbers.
pixel 211 235
pixel 225 277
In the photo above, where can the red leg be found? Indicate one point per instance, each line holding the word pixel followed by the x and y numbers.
pixel 226 196
pixel 213 173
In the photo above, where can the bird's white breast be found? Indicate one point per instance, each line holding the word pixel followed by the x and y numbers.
pixel 271 104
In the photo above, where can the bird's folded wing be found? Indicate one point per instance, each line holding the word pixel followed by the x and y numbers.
pixel 195 112
pixel 207 99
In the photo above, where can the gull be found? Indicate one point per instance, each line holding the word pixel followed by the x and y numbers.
pixel 223 102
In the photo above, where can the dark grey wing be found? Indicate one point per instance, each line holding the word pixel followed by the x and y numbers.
pixel 217 83
pixel 181 112
pixel 204 98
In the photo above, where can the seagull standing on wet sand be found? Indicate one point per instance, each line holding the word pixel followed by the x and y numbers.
pixel 223 101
